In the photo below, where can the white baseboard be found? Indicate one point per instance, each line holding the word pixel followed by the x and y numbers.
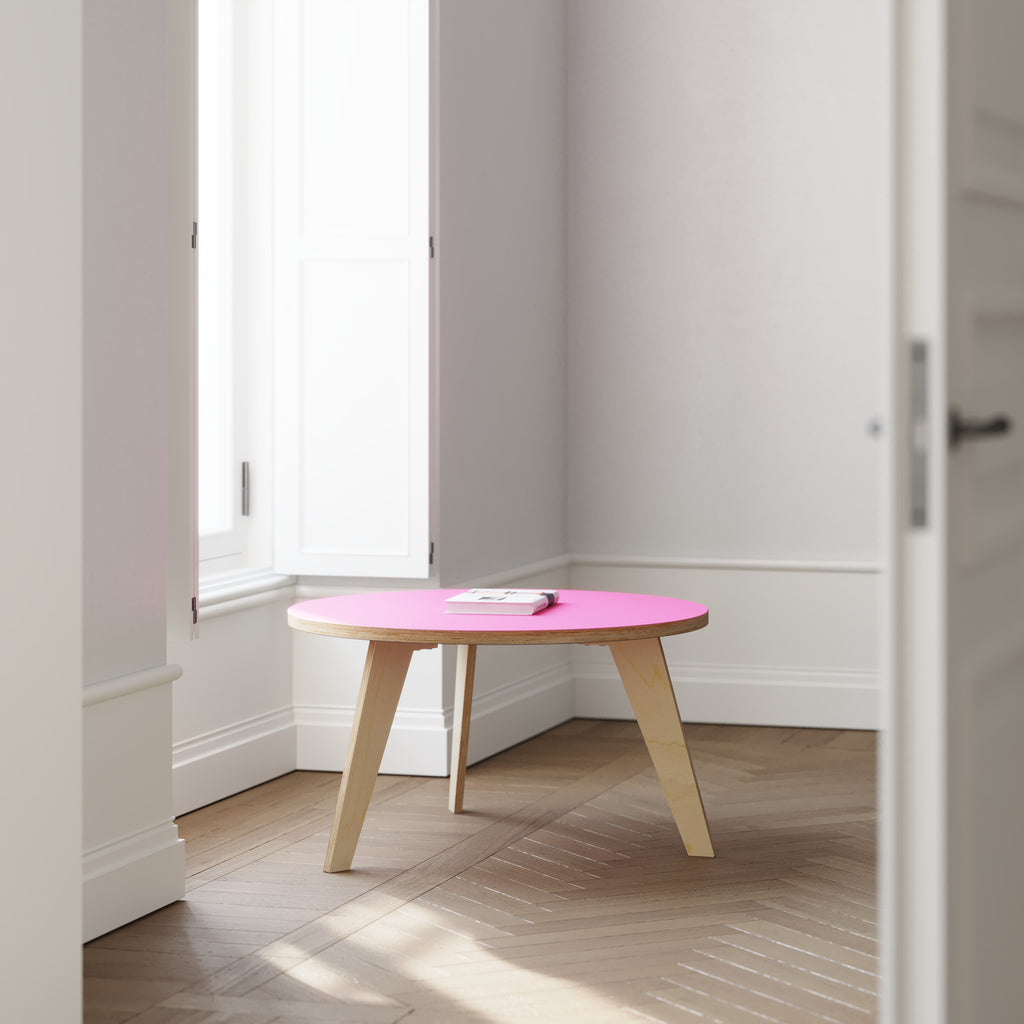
pixel 225 761
pixel 745 695
pixel 520 709
pixel 417 745
pixel 788 643
pixel 792 644
pixel 420 741
pixel 131 877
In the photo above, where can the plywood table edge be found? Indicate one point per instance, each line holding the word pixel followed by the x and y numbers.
pixel 610 634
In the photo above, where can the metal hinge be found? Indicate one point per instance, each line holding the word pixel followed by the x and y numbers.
pixel 245 488
pixel 431 246
pixel 431 557
pixel 195 611
pixel 195 235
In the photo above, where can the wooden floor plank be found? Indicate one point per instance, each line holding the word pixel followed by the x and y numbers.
pixel 563 894
pixel 788 984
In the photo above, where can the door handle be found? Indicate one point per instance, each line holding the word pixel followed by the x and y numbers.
pixel 962 428
pixel 918 434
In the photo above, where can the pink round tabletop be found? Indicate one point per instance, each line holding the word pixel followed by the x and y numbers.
pixel 419 616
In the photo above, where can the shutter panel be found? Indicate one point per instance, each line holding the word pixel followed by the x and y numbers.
pixel 351 272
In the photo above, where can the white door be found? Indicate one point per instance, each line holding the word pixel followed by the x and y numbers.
pixel 954 764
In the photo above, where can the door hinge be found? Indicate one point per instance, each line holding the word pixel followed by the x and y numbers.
pixel 245 488
pixel 431 246
pixel 195 235
pixel 431 556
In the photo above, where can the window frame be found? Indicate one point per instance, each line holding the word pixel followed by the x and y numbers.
pixel 263 423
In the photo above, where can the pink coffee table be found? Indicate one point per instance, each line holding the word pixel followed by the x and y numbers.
pixel 398 623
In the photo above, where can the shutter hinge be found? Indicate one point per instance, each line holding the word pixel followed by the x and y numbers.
pixel 431 246
pixel 195 611
pixel 245 488
pixel 431 556
pixel 195 235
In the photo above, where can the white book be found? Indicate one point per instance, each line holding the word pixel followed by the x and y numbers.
pixel 501 602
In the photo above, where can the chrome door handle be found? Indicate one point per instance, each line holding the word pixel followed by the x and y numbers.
pixel 961 428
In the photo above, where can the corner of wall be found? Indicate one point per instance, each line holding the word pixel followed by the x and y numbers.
pixel 133 861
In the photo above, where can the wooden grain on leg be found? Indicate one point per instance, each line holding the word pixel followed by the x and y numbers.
pixel 383 677
pixel 465 669
pixel 644 674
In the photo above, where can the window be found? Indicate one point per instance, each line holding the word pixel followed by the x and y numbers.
pixel 314 285
pixel 221 433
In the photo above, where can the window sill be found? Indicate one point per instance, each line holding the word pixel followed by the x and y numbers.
pixel 236 591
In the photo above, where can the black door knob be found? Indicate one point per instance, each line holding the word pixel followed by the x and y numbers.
pixel 962 428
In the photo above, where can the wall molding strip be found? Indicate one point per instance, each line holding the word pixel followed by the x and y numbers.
pixel 520 572
pixel 132 682
pixel 309 587
pixel 247 590
pixel 727 564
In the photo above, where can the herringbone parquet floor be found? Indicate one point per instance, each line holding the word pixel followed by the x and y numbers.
pixel 563 894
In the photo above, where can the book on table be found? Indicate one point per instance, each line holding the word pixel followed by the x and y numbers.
pixel 501 602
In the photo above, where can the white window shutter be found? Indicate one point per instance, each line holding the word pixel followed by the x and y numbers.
pixel 351 313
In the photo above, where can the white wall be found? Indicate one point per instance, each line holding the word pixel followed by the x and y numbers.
pixel 40 518
pixel 125 325
pixel 728 273
pixel 327 673
pixel 233 722
pixel 500 285
pixel 793 645
pixel 499 344
pixel 761 337
pixel 133 860
pixel 500 491
pixel 501 335
pixel 695 196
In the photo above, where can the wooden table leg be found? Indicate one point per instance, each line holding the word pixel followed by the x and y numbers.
pixel 644 674
pixel 383 677
pixel 465 670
